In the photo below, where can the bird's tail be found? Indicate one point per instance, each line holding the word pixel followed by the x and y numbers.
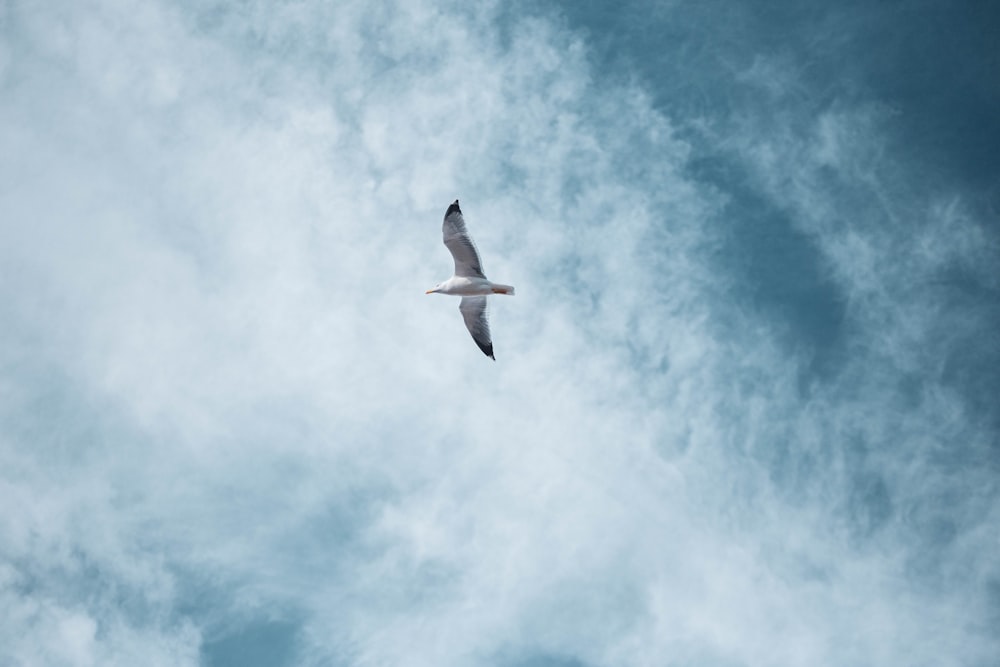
pixel 503 289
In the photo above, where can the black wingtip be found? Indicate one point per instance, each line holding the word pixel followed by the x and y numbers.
pixel 453 209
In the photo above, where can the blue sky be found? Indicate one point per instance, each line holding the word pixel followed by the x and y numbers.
pixel 742 411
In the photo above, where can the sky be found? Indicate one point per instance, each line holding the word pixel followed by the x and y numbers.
pixel 744 405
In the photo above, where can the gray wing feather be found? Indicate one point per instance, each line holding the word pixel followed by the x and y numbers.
pixel 474 313
pixel 459 243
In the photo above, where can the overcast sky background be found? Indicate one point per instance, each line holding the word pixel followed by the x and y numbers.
pixel 744 405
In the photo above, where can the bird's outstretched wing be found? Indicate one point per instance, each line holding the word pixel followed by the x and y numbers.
pixel 474 313
pixel 458 241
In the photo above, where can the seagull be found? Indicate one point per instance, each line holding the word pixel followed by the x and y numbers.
pixel 469 281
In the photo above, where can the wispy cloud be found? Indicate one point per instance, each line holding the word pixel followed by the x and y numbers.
pixel 234 428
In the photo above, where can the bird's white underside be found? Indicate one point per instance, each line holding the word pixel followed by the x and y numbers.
pixel 462 286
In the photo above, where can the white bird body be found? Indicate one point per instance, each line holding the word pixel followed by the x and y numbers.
pixel 469 281
pixel 471 286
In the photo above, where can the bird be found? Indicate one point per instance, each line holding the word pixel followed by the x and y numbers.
pixel 469 281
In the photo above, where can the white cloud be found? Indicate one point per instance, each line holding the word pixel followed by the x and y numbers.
pixel 228 402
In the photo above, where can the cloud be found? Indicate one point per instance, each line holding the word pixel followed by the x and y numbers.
pixel 235 428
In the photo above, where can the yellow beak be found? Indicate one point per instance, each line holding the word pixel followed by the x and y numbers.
pixel 430 291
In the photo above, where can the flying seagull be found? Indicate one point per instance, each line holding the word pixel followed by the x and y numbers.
pixel 469 281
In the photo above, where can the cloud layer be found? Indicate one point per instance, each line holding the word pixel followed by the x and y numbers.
pixel 737 417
